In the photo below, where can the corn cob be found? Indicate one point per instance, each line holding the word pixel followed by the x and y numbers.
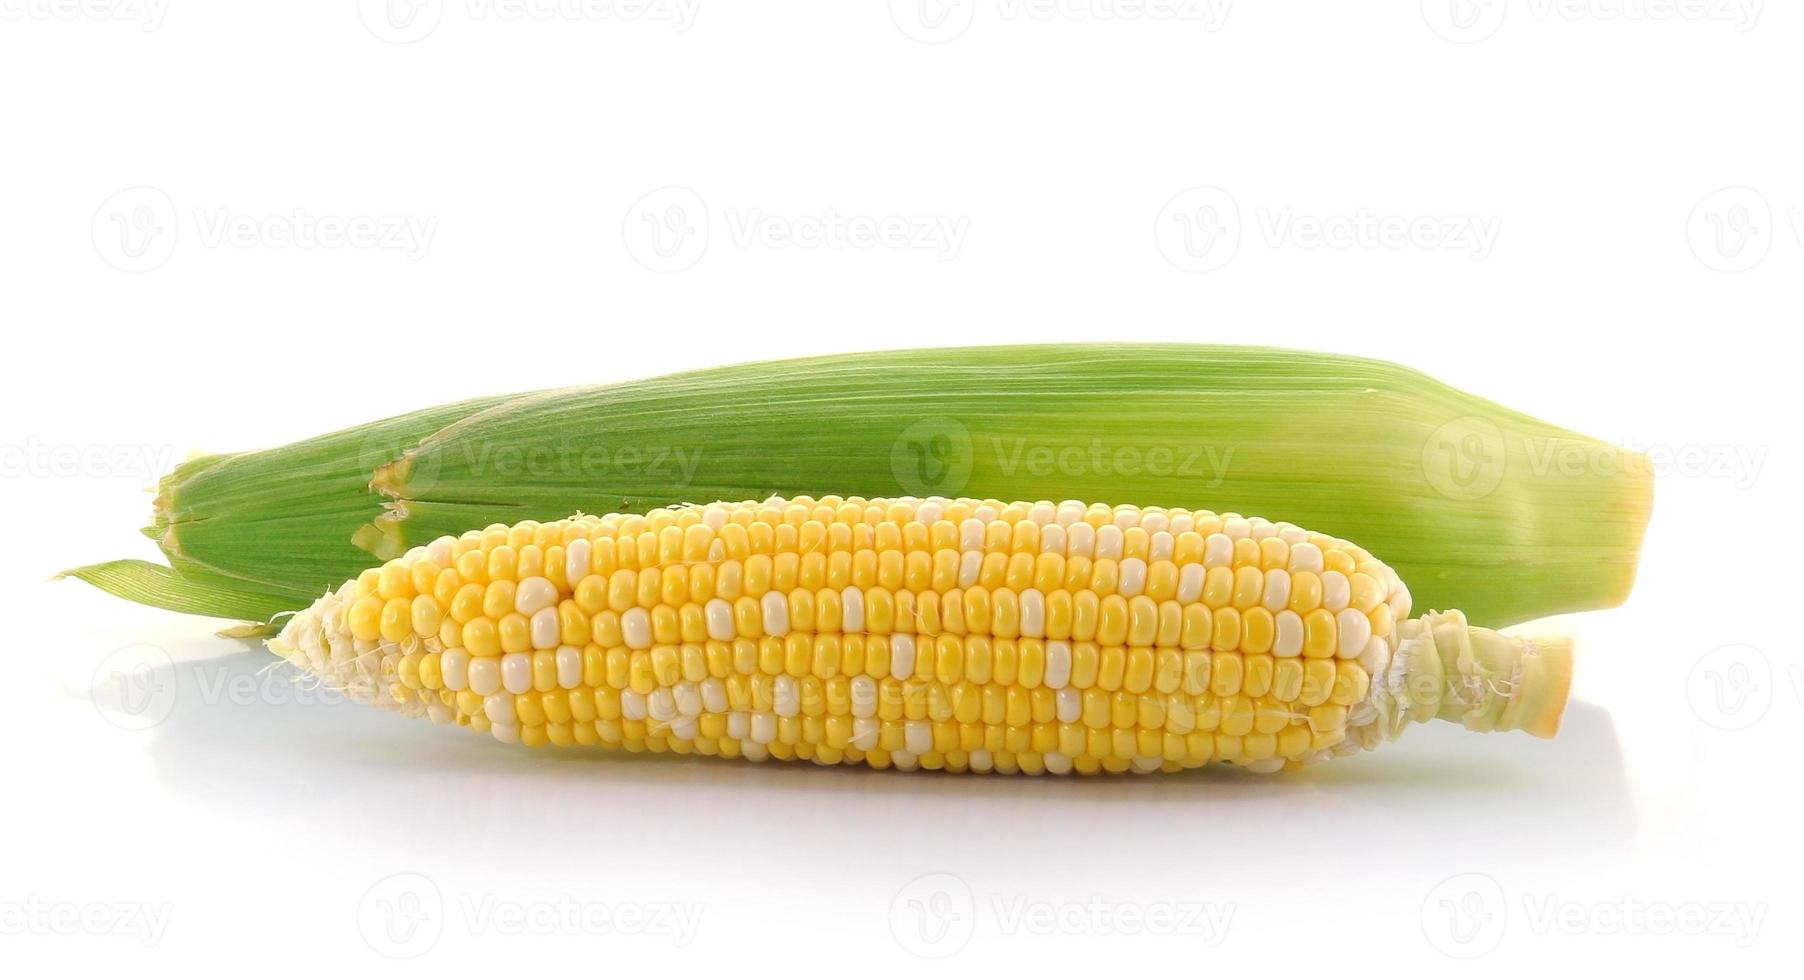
pixel 942 634
pixel 1462 496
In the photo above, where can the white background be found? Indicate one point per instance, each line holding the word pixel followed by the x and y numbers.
pixel 1617 288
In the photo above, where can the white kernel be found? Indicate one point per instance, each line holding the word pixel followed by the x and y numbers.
pixel 764 727
pixel 439 552
pixel 1162 546
pixel 1052 539
pixel 635 628
pixel 1263 529
pixel 1218 550
pixel 682 726
pixel 1082 541
pixel 1289 639
pixel 918 736
pixel 1058 663
pixel 576 561
pixel 1133 578
pixel 739 725
pixel 1181 523
pixel 985 513
pixel 1057 763
pixel 1070 512
pixel 516 672
pixel 754 752
pixel 485 676
pixel 1236 527
pixel 1376 656
pixel 786 699
pixel 1147 763
pixel 454 665
pixel 1292 534
pixel 982 761
pixel 714 695
pixel 1399 600
pixel 970 534
pixel 688 698
pixel 1070 705
pixel 569 667
pixel 1305 557
pixel 969 568
pixel 1108 542
pixel 545 629
pixel 632 705
pixel 1033 613
pixel 1041 513
pixel 1355 630
pixel 1277 590
pixel 851 609
pixel 1336 591
pixel 1190 583
pixel 902 655
pixel 929 512
pixel 775 606
pixel 507 734
pixel 534 594
pixel 716 517
pixel 864 697
pixel 1155 523
pixel 440 713
pixel 865 732
pixel 719 613
pixel 499 708
pixel 904 760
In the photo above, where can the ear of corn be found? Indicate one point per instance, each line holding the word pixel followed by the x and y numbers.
pixel 944 634
pixel 1478 506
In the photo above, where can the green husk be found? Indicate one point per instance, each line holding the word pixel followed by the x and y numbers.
pixel 1478 507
